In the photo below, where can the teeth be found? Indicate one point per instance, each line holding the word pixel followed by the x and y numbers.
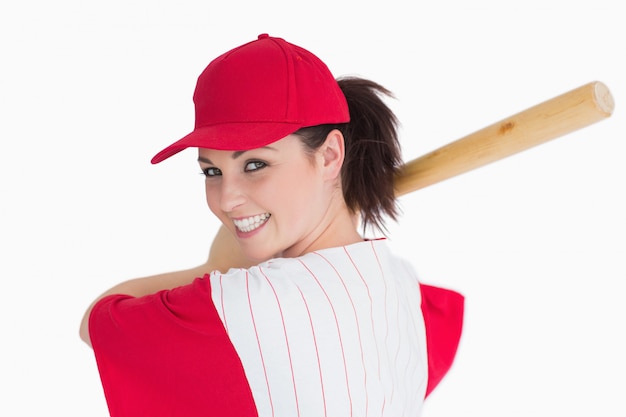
pixel 252 222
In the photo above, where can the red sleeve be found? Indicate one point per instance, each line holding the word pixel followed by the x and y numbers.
pixel 168 354
pixel 443 315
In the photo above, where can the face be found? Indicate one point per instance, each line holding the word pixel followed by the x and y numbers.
pixel 274 199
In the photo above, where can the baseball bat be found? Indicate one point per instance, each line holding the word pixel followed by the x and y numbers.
pixel 543 122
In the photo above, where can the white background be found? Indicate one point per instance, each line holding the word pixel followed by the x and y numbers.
pixel 89 91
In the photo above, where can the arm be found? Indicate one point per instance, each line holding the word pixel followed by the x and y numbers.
pixel 224 254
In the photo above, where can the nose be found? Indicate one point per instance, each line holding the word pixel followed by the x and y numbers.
pixel 232 193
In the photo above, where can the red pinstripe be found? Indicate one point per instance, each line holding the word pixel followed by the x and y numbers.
pixel 415 330
pixel 358 329
pixel 282 319
pixel 382 274
pixel 222 303
pixel 317 353
pixel 369 295
pixel 343 353
pixel 258 341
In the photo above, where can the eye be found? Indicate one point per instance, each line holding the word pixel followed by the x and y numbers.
pixel 211 172
pixel 254 166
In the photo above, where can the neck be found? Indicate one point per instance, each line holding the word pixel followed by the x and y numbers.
pixel 338 228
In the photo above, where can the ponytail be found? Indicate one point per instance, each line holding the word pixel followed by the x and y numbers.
pixel 373 156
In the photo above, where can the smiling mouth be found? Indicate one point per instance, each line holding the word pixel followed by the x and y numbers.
pixel 251 223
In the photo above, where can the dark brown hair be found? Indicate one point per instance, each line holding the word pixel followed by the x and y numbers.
pixel 373 156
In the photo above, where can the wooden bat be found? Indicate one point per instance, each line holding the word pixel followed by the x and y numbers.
pixel 556 117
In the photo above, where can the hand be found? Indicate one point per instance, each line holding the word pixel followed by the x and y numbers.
pixel 225 252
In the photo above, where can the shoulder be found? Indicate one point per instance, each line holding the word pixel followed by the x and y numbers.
pixel 186 307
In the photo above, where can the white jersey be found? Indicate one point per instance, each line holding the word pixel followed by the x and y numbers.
pixel 337 332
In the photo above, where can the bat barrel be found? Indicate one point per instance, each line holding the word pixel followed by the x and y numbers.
pixel 556 117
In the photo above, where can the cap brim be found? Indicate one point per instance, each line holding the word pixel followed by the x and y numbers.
pixel 230 137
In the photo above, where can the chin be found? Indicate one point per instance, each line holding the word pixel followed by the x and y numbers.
pixel 256 257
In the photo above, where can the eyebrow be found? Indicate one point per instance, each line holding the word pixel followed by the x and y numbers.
pixel 235 154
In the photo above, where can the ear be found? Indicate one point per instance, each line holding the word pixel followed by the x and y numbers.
pixel 332 154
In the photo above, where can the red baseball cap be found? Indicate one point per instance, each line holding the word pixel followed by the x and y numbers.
pixel 258 93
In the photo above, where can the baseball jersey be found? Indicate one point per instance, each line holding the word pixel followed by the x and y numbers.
pixel 346 331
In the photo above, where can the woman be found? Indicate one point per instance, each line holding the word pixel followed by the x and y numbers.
pixel 294 313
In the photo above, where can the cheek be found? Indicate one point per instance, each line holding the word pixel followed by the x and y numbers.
pixel 293 188
pixel 211 198
pixel 304 191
